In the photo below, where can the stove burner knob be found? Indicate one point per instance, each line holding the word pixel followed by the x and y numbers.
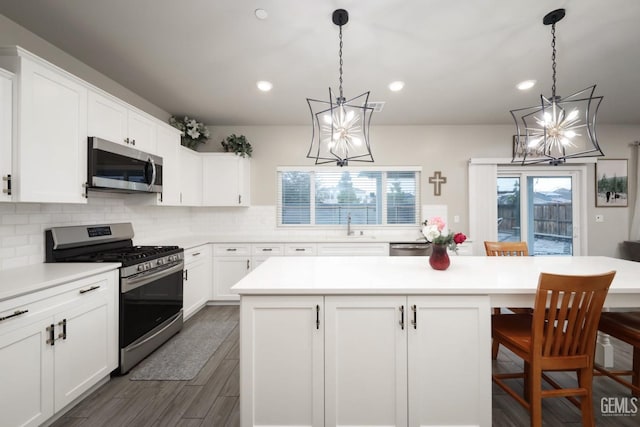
pixel 140 267
pixel 160 262
pixel 147 266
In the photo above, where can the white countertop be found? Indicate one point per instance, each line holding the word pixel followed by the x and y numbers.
pixel 191 241
pixel 32 278
pixel 479 275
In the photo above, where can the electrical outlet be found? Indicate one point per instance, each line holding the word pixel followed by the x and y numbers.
pixel 456 218
pixel 599 218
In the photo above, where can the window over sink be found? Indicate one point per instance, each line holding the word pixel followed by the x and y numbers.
pixel 318 196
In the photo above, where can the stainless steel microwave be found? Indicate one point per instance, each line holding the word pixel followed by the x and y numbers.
pixel 115 167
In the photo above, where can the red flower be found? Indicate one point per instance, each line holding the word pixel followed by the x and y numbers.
pixel 459 238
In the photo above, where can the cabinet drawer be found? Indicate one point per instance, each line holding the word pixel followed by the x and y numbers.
pixel 196 254
pixel 231 250
pixel 267 250
pixel 32 307
pixel 300 249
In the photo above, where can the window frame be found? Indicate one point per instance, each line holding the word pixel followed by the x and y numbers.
pixel 312 204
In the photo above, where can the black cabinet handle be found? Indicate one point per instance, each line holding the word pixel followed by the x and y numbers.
pixel 52 338
pixel 317 317
pixel 415 316
pixel 93 288
pixel 266 249
pixel 247 264
pixel 402 317
pixel 63 323
pixel 231 249
pixel 195 254
pixel 299 249
pixel 186 275
pixel 15 314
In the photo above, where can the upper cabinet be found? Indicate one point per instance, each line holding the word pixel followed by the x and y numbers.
pixel 6 132
pixel 51 150
pixel 190 177
pixel 226 180
pixel 113 120
pixel 168 147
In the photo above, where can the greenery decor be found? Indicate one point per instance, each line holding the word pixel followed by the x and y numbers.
pixel 193 132
pixel 433 230
pixel 237 144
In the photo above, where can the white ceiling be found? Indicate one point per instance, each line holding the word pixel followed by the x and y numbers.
pixel 460 59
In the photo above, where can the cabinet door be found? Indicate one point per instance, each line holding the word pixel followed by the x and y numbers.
pixel 232 170
pixel 449 345
pixel 107 118
pixel 282 362
pixel 227 271
pixel 82 354
pixel 366 360
pixel 6 133
pixel 191 177
pixel 142 132
pixel 26 391
pixel 168 145
pixel 52 126
pixel 197 279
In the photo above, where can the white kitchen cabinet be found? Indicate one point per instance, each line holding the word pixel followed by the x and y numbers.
pixel 353 249
pixel 83 352
pixel 197 279
pixel 282 376
pixel 300 249
pixel 7 83
pixel 391 360
pixel 191 177
pixel 365 360
pixel 260 252
pixel 230 264
pixel 449 345
pixel 168 147
pixel 51 149
pixel 226 180
pixel 55 345
pixel 116 121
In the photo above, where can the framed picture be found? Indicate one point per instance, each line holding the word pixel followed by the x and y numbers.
pixel 611 183
pixel 520 150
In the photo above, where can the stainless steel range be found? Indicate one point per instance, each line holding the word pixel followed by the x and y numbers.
pixel 151 280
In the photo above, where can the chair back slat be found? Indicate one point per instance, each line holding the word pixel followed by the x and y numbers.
pixel 566 314
pixel 506 248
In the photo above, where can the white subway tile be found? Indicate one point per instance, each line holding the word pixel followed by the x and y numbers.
pixel 27 250
pixel 7 230
pixel 15 219
pixel 13 241
pixel 15 262
pixel 27 207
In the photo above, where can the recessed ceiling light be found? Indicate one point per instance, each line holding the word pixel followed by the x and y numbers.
pixel 264 85
pixel 526 85
pixel 396 86
pixel 261 14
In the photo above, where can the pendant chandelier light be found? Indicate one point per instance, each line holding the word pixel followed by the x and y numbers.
pixel 340 125
pixel 558 128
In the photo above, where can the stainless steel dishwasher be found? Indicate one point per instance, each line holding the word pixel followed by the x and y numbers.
pixel 409 249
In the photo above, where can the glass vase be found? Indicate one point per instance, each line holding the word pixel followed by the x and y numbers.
pixel 439 258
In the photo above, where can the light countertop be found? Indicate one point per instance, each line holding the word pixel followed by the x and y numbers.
pixel 467 275
pixel 24 280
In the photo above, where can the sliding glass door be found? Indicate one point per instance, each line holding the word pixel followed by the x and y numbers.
pixel 540 207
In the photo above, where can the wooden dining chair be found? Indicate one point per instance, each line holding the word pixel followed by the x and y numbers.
pixel 624 326
pixel 506 249
pixel 559 336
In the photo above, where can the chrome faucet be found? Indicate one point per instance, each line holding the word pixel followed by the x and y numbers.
pixel 350 232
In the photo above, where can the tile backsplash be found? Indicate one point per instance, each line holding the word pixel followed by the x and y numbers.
pixel 22 225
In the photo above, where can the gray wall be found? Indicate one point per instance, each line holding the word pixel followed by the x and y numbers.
pixel 443 148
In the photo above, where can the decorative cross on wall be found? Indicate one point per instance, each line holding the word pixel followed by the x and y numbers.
pixel 437 180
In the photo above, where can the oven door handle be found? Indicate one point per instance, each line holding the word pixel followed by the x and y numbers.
pixel 131 284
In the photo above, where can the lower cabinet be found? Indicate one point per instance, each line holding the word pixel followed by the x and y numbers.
pixel 197 279
pixel 56 346
pixel 231 262
pixel 381 360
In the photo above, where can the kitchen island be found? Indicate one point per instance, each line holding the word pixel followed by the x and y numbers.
pixel 385 340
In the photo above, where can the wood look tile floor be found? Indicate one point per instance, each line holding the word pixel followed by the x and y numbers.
pixel 211 398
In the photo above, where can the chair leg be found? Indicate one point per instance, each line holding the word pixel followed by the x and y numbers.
pixel 533 388
pixel 526 382
pixel 585 380
pixel 635 376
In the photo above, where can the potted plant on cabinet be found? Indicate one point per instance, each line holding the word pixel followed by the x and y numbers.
pixel 193 131
pixel 237 144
